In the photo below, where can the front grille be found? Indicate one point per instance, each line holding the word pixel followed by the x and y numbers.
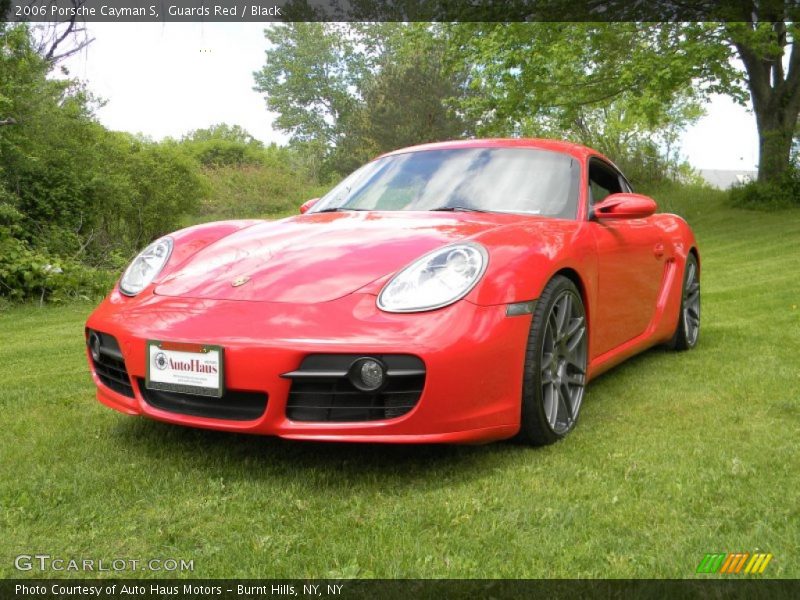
pixel 321 390
pixel 109 364
pixel 233 405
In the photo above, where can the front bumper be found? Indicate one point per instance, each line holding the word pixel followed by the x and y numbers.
pixel 473 357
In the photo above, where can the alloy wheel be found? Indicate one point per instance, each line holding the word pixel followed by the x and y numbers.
pixel 563 362
pixel 691 304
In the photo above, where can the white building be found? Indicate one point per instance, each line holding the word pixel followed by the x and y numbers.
pixel 724 179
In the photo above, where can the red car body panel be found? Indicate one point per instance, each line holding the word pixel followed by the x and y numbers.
pixel 314 281
pixel 318 257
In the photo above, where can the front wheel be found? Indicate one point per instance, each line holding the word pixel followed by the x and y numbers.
pixel 555 364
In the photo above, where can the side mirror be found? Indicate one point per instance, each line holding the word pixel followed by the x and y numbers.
pixel 305 206
pixel 624 206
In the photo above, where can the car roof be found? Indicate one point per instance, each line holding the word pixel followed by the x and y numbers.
pixel 576 150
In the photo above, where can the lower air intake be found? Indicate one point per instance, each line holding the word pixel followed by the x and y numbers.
pixel 322 389
pixel 233 405
pixel 108 363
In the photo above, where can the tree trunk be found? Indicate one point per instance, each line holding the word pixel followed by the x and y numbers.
pixel 774 89
pixel 774 145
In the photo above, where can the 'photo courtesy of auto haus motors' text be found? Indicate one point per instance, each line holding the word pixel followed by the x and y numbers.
pixel 326 299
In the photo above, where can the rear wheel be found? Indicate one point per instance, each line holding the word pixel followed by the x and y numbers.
pixel 688 330
pixel 555 364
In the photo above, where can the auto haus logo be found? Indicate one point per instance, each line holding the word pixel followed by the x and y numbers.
pixel 193 365
pixel 161 361
pixel 734 563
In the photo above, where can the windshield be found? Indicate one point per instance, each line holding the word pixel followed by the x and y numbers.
pixel 517 180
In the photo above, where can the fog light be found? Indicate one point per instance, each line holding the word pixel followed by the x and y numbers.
pixel 94 346
pixel 367 374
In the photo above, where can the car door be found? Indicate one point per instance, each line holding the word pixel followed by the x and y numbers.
pixel 630 265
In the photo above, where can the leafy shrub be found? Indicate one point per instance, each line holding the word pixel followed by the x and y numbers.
pixel 767 196
pixel 27 274
pixel 687 200
pixel 274 187
pixel 76 198
pixel 256 192
pixel 223 145
pixel 143 193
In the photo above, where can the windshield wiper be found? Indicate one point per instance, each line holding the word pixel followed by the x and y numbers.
pixel 340 209
pixel 459 209
pixel 437 209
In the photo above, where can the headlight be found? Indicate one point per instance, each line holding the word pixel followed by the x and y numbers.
pixel 145 267
pixel 437 279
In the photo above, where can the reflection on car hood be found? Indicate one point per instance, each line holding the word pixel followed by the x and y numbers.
pixel 319 257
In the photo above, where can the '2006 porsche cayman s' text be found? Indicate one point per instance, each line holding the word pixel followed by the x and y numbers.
pixel 452 292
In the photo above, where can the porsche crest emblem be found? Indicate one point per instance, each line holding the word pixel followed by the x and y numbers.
pixel 239 281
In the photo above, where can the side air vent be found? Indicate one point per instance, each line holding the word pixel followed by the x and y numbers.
pixel 108 362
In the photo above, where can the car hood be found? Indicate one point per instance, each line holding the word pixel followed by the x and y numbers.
pixel 318 257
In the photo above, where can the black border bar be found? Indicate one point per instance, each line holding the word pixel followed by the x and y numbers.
pixel 402 589
pixel 140 11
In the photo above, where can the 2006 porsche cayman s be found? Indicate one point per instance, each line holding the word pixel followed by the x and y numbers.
pixel 452 292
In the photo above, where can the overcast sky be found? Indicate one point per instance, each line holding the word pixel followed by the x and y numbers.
pixel 165 79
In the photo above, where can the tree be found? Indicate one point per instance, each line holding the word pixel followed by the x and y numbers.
pixel 553 72
pixel 762 41
pixel 387 85
pixel 225 132
pixel 57 40
pixel 350 92
pixel 223 144
pixel 411 98
pixel 650 62
pixel 67 180
pixel 626 88
pixel 310 79
pixel 646 75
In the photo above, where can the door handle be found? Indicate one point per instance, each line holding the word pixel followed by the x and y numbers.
pixel 658 250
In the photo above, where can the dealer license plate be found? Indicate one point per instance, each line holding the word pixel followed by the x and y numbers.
pixel 185 368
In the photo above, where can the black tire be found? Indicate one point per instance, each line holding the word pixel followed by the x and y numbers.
pixel 688 330
pixel 555 365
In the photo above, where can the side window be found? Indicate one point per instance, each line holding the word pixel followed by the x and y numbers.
pixel 603 181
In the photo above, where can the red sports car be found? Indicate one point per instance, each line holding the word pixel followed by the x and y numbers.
pixel 453 292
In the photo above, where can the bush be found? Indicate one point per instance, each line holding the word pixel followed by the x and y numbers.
pixel 273 187
pixel 690 201
pixel 143 193
pixel 256 192
pixel 784 193
pixel 223 145
pixel 73 195
pixel 29 274
pixel 76 198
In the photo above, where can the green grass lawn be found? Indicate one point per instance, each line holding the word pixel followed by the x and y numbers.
pixel 676 455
